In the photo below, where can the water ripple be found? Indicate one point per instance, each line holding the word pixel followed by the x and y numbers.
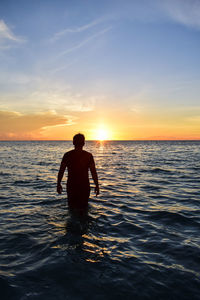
pixel 140 239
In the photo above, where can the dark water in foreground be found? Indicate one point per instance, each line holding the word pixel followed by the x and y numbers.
pixel 141 239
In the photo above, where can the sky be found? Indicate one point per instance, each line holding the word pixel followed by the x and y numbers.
pixel 111 69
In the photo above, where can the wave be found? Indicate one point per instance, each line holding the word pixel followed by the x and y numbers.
pixel 172 218
pixel 140 239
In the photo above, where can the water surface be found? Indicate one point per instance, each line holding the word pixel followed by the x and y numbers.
pixel 140 239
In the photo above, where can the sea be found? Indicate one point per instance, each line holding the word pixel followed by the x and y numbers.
pixel 139 240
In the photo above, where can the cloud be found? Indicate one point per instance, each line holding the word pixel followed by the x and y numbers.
pixel 25 92
pixel 84 42
pixel 63 67
pixel 6 35
pixel 186 12
pixel 66 31
pixel 17 125
pixel 61 99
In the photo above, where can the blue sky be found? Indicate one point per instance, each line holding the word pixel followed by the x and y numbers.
pixel 72 57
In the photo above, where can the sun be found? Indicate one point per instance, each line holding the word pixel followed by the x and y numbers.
pixel 102 134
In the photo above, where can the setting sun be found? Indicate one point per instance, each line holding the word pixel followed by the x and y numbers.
pixel 102 134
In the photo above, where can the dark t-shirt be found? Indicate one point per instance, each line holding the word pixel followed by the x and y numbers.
pixel 78 163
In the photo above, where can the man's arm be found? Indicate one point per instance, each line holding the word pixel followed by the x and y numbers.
pixel 94 177
pixel 61 173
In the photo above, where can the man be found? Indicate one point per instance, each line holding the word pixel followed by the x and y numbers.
pixel 78 162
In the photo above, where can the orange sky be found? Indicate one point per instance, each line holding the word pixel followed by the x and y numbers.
pixel 116 124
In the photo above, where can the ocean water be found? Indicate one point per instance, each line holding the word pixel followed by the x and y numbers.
pixel 140 239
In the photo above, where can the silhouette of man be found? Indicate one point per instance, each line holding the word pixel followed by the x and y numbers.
pixel 78 162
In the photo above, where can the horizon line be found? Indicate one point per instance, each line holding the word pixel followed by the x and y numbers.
pixel 129 140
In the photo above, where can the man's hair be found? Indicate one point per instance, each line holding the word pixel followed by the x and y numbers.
pixel 79 140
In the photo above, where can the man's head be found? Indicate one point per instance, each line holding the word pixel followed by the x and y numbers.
pixel 79 140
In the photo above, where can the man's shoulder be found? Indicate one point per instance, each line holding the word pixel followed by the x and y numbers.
pixel 68 153
pixel 74 153
pixel 89 157
pixel 87 153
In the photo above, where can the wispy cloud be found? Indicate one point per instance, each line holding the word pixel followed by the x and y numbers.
pixel 65 31
pixel 28 93
pixel 186 12
pixel 6 35
pixel 84 42
pixel 63 67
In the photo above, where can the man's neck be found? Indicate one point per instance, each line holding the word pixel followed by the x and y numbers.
pixel 78 148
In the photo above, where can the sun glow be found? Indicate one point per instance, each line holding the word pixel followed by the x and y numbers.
pixel 102 134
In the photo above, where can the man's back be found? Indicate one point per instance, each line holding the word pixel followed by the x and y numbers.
pixel 78 163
